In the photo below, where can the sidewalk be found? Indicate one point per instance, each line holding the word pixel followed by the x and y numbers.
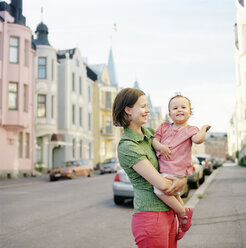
pixel 219 219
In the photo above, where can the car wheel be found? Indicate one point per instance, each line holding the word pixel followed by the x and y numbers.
pixel 202 179
pixel 90 174
pixel 186 191
pixel 52 179
pixel 101 172
pixel 73 176
pixel 196 184
pixel 118 200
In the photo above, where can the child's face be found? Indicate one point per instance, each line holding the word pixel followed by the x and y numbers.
pixel 179 110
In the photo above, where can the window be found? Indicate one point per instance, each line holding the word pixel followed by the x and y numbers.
pixel 26 53
pixel 81 149
pixel 52 106
pixel 73 113
pixel 52 69
pixel 74 147
pixel 41 112
pixel 89 151
pixel 80 85
pixel 108 125
pixel 89 121
pixel 20 148
pixel 39 149
pixel 25 98
pixel 14 50
pixel 89 93
pixel 42 70
pixel 108 100
pixel 13 96
pixel 236 35
pixel 73 81
pixel 80 116
pixel 27 146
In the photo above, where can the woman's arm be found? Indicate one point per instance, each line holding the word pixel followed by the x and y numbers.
pixel 147 171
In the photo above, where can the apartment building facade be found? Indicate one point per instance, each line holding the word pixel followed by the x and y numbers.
pixel 16 92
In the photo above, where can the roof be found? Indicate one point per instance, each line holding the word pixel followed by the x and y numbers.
pixel 61 54
pixel 111 69
pixel 42 35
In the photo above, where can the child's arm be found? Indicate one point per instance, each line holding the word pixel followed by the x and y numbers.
pixel 200 136
pixel 164 149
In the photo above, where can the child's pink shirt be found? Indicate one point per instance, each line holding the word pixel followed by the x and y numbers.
pixel 180 142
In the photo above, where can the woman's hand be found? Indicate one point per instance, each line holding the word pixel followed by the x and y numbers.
pixel 177 185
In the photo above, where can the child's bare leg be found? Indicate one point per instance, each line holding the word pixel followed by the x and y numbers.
pixel 173 203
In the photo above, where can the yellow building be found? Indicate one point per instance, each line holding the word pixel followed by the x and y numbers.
pixel 106 136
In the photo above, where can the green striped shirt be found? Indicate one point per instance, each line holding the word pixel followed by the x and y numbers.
pixel 134 147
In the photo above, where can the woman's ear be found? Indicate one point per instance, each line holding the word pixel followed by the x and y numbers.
pixel 128 110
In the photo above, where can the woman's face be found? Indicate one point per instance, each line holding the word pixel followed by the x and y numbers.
pixel 139 112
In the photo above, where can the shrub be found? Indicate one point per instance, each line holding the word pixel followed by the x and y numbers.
pixel 242 161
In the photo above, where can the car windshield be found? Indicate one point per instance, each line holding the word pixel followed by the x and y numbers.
pixel 200 159
pixel 70 163
pixel 110 160
pixel 82 162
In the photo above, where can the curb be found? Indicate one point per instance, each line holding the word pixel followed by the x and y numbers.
pixel 191 203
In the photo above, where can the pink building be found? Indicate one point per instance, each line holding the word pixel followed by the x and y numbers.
pixel 16 92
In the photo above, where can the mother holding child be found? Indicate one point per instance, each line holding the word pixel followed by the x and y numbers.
pixel 157 203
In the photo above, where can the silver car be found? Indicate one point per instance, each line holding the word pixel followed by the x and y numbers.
pixel 109 165
pixel 123 189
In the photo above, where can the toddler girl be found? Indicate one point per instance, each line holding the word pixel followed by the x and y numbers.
pixel 173 143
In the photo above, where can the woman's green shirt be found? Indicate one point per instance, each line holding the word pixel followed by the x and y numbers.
pixel 134 147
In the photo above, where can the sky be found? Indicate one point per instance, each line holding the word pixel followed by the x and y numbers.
pixel 167 46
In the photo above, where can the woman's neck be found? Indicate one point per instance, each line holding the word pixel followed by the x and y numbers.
pixel 135 128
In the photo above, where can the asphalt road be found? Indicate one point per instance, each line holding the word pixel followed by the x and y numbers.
pixel 36 213
pixel 63 214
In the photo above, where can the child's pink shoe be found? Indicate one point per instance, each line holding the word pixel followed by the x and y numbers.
pixel 186 220
pixel 180 234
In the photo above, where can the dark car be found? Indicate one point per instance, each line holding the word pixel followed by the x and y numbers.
pixel 72 169
pixel 205 161
pixel 109 165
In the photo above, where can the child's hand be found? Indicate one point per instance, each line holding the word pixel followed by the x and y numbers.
pixel 206 127
pixel 165 151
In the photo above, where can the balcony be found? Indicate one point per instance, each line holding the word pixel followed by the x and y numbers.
pixel 107 131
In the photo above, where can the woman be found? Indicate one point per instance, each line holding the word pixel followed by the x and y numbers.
pixel 153 223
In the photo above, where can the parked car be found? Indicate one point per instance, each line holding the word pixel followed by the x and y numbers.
pixel 198 175
pixel 72 169
pixel 123 189
pixel 109 165
pixel 217 162
pixel 205 161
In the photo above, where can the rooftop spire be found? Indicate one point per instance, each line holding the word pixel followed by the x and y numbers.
pixel 111 69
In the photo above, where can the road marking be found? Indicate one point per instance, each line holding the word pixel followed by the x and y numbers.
pixel 18 185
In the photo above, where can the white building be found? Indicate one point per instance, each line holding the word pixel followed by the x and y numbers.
pixel 75 109
pixel 237 132
pixel 45 99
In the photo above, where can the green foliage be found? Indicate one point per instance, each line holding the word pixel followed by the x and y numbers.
pixel 39 169
pixel 242 161
pixel 200 197
pixel 237 154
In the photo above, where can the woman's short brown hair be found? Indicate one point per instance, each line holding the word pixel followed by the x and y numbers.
pixel 125 98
